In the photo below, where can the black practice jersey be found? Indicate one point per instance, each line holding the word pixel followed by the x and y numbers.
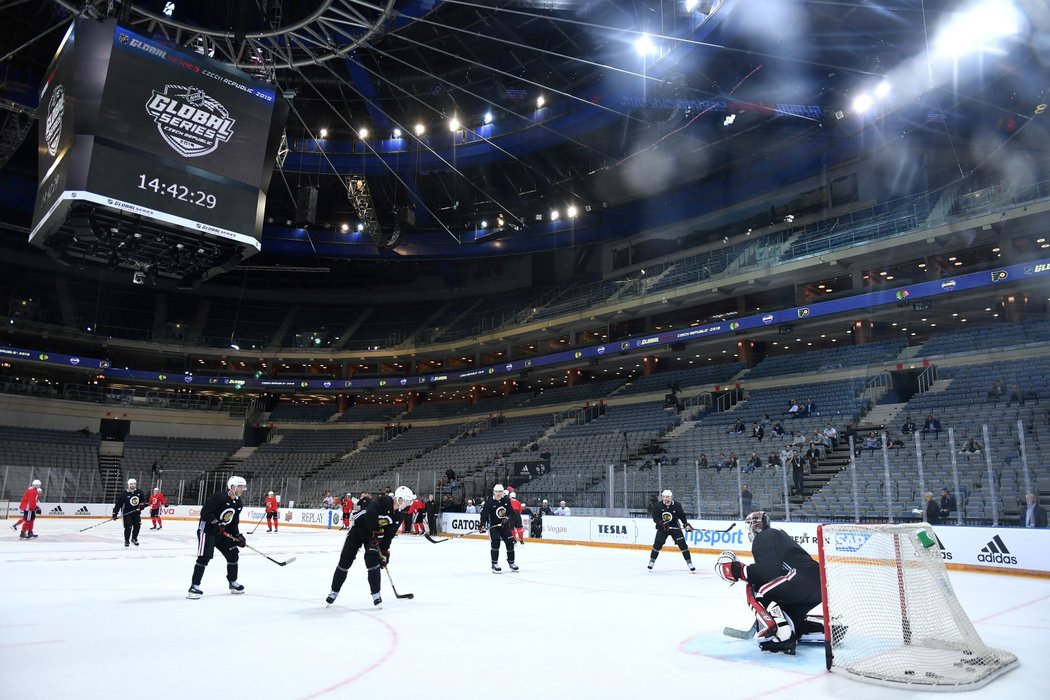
pixel 222 509
pixel 380 520
pixel 130 502
pixel 495 513
pixel 672 515
pixel 776 553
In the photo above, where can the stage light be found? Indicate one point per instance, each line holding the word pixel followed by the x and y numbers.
pixel 344 228
pixel 571 212
pixel 882 89
pixel 554 214
pixel 488 117
pixel 453 124
pixel 644 45
pixel 397 133
pixel 863 103
pixel 362 133
pixel 360 227
pixel 323 133
pixel 420 130
pixel 540 101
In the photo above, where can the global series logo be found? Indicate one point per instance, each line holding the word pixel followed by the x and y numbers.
pixel 56 109
pixel 189 120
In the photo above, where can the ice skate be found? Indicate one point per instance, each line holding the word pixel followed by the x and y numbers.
pixel 377 601
pixel 331 597
pixel 236 588
pixel 513 566
pixel 496 569
pixel 785 647
pixel 652 563
pixel 194 593
pixel 135 542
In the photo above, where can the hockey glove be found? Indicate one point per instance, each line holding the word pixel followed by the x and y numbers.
pixel 220 532
pixel 38 510
pixel 241 542
pixel 114 516
pixel 731 571
pixel 482 531
pixel 384 557
pixel 688 527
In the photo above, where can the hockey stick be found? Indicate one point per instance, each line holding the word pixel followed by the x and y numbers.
pixel 107 520
pixel 257 525
pixel 741 634
pixel 286 562
pixel 407 596
pixel 431 538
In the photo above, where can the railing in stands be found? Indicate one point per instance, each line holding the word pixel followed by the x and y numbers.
pixel 926 378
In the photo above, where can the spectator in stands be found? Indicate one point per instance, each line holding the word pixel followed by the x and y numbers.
pixel 831 434
pixel 563 509
pixel 1016 394
pixel 822 442
pixel 871 443
pixel 971 446
pixel 812 457
pixel 766 422
pixel 450 477
pixel 758 432
pixel 745 499
pixel 996 391
pixel 947 504
pixel 752 464
pixel 86 432
pixel 931 509
pixel 785 455
pixel 733 462
pixel 328 501
pixel 1033 514
pixel 793 409
pixel 737 429
pixel 909 426
pixel 702 462
pixel 545 508
pixel 722 462
pixel 932 425
pixel 773 460
pixel 797 472
pixel 471 508
pixel 798 442
pixel 432 514
pixel 810 409
pixel 778 430
pixel 851 432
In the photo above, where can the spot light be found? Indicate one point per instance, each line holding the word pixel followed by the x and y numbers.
pixel 420 130
pixel 540 101
pixel 571 212
pixel 453 124
pixel 397 133
pixel 488 117
pixel 323 133
pixel 362 133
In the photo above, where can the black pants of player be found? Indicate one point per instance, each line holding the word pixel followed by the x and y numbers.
pixel 677 537
pixel 355 539
pixel 432 522
pixel 502 532
pixel 796 595
pixel 132 525
pixel 271 515
pixel 207 543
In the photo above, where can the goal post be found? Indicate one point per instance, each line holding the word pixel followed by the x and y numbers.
pixel 5 508
pixel 893 614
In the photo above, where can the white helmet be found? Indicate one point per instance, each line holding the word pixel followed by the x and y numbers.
pixel 36 482
pixel 132 482
pixel 156 489
pixel 498 488
pixel 236 481
pixel 667 494
pixel 756 522
pixel 270 494
pixel 405 494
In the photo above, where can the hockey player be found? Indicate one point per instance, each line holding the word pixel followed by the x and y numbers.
pixel 670 521
pixel 131 502
pixel 374 528
pixel 419 516
pixel 156 502
pixel 783 585
pixel 348 508
pixel 271 511
pixel 29 505
pixel 517 531
pixel 496 518
pixel 219 528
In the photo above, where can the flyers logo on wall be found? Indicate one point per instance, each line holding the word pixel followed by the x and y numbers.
pixel 56 109
pixel 189 120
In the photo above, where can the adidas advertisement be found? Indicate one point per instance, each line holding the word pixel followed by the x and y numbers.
pixel 996 552
pixel 57 510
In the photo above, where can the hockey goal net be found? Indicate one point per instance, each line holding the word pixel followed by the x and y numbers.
pixel 5 508
pixel 894 616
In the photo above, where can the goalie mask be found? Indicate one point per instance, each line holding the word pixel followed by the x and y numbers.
pixel 756 522
pixel 405 495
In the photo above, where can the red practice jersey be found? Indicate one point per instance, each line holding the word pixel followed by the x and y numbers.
pixel 29 499
pixel 157 500
pixel 515 504
pixel 417 506
pixel 348 504
pixel 271 504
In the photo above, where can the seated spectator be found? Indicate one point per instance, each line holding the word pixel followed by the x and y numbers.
pixel 773 460
pixel 822 443
pixel 737 429
pixel 871 442
pixel 810 409
pixel 785 455
pixel 799 440
pixel 766 422
pixel 1016 394
pixel 778 430
pixel 971 447
pixel 563 509
pixel 794 409
pixel 752 464
pixel 722 462
pixel 996 391
pixel 733 462
pixel 831 434
pixel 757 431
pixel 947 504
pixel 702 462
pixel 932 425
pixel 909 426
pixel 931 509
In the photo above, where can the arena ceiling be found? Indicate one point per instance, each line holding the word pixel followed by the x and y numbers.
pixel 718 84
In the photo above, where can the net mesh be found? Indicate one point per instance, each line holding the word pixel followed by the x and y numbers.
pixel 894 616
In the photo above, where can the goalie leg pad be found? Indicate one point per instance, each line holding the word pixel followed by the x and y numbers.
pixel 768 625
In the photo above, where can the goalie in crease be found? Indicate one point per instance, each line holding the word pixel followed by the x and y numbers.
pixel 783 586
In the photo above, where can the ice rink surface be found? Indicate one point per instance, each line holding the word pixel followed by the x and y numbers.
pixel 82 617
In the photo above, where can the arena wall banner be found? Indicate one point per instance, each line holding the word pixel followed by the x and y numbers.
pixel 466 523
